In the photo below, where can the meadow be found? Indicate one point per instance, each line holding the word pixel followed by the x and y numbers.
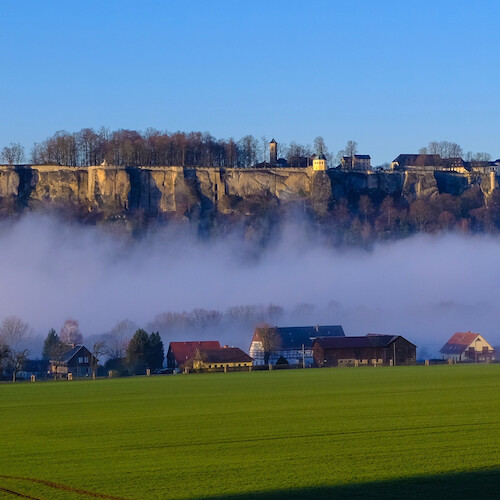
pixel 401 432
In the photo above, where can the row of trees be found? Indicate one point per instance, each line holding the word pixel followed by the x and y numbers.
pixel 363 221
pixel 153 147
pixel 447 149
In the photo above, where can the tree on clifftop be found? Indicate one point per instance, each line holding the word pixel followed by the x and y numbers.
pixel 70 332
pixel 270 340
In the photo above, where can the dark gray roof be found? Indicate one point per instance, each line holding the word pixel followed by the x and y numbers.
pixel 370 340
pixel 418 160
pixel 293 337
pixel 69 355
pixel 320 156
pixel 72 352
pixel 223 355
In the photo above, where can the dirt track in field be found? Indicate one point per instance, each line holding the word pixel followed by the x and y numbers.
pixel 56 486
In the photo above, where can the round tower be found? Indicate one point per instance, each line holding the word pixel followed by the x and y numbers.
pixel 273 152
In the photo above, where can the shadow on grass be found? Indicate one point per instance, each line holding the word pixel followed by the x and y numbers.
pixel 484 483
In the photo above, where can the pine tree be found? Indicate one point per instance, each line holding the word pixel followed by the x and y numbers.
pixel 51 344
pixel 156 352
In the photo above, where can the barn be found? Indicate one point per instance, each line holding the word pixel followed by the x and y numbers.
pixel 181 352
pixel 368 350
pixel 292 343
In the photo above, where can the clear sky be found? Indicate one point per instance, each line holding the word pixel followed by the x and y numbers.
pixel 391 75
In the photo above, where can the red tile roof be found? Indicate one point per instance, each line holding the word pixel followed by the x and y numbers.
pixel 184 351
pixel 458 343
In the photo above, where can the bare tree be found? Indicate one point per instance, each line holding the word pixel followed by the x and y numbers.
pixel 350 150
pixel 4 356
pixel 248 146
pixel 320 146
pixel 118 338
pixel 13 331
pixel 57 354
pixel 70 332
pixel 270 340
pixel 444 149
pixel 17 360
pixel 12 154
pixel 98 349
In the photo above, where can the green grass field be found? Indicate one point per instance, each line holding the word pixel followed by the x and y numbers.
pixel 402 432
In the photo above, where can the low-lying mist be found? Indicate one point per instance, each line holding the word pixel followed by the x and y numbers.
pixel 425 287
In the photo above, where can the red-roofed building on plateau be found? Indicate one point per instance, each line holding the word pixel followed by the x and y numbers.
pixel 368 350
pixel 468 347
pixel 179 353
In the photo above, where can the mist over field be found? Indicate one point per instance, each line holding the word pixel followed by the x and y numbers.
pixel 424 287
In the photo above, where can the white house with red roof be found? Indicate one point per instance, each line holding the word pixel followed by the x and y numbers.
pixel 468 347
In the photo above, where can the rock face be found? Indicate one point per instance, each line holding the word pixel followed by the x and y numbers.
pixel 109 192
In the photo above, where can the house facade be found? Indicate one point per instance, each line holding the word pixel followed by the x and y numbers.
pixel 223 359
pixel 360 163
pixel 468 346
pixel 78 362
pixel 180 353
pixel 293 343
pixel 368 350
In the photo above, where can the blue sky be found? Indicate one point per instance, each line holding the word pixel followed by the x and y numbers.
pixel 391 75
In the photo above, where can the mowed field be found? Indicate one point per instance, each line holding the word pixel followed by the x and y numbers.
pixel 402 432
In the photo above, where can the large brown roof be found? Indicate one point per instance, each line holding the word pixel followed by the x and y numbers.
pixel 184 351
pixel 222 355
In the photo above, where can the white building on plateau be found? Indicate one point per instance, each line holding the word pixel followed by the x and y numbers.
pixel 468 347
pixel 291 343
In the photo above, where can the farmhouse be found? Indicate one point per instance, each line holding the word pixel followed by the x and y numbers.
pixel 181 352
pixel 468 347
pixel 222 359
pixel 78 361
pixel 292 343
pixel 371 349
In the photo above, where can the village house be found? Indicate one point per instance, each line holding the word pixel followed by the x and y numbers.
pixel 181 352
pixel 77 362
pixel 292 343
pixel 223 359
pixel 468 347
pixel 434 162
pixel 368 350
pixel 360 163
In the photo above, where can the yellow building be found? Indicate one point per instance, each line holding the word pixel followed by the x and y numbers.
pixel 223 359
pixel 319 162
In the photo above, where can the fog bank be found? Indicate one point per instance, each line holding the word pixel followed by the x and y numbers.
pixel 424 287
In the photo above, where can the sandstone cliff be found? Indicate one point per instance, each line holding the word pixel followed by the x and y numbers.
pixel 110 192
